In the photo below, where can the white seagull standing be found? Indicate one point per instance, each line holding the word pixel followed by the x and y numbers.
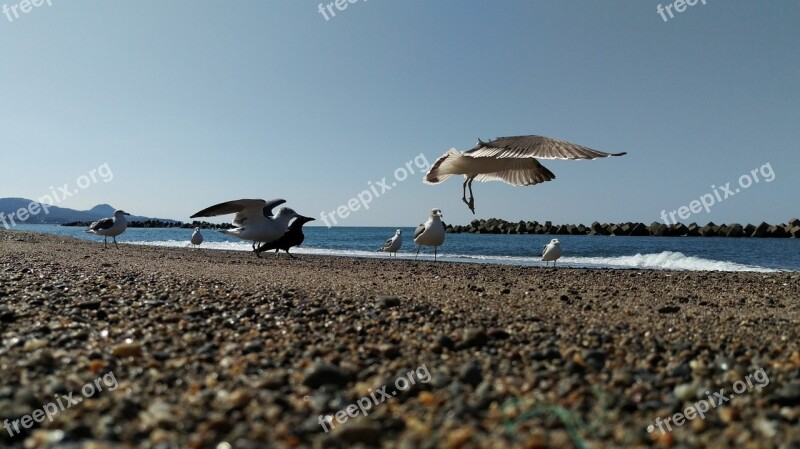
pixel 110 227
pixel 254 220
pixel 393 244
pixel 197 237
pixel 431 233
pixel 512 160
pixel 552 251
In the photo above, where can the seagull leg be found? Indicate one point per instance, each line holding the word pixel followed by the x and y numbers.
pixel 418 247
pixel 105 242
pixel 115 242
pixel 290 254
pixel 464 191
pixel 471 203
pixel 434 254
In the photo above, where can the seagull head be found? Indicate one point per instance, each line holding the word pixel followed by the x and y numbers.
pixel 436 213
pixel 120 212
pixel 554 242
pixel 287 212
pixel 196 229
pixel 398 232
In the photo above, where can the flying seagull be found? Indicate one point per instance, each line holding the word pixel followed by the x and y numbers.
pixel 110 227
pixel 197 237
pixel 431 233
pixel 393 244
pixel 293 237
pixel 551 252
pixel 254 220
pixel 512 160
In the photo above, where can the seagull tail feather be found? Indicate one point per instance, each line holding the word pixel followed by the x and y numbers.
pixel 441 169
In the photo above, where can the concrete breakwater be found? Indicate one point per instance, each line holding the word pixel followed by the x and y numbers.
pixel 655 229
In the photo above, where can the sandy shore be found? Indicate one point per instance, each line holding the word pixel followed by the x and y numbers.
pixel 193 348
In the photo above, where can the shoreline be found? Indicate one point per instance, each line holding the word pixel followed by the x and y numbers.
pixel 212 346
pixel 669 258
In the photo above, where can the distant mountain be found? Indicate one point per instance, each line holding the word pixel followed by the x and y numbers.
pixel 59 215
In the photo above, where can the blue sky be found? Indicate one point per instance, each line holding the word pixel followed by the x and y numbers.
pixel 191 103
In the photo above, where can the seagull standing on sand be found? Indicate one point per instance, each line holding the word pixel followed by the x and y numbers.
pixel 552 251
pixel 254 220
pixel 512 160
pixel 393 244
pixel 293 237
pixel 431 233
pixel 197 237
pixel 110 227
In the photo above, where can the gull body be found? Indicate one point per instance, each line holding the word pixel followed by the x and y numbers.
pixel 110 227
pixel 292 237
pixel 512 160
pixel 551 252
pixel 393 244
pixel 431 233
pixel 254 220
pixel 197 237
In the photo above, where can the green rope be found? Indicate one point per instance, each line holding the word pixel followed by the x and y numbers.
pixel 572 422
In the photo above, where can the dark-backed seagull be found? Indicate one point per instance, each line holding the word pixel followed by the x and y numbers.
pixel 551 252
pixel 110 227
pixel 293 237
pixel 431 233
pixel 254 220
pixel 393 244
pixel 197 237
pixel 512 160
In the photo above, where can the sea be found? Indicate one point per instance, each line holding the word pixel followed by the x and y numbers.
pixel 584 251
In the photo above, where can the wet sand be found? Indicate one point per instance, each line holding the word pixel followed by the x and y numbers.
pixel 213 347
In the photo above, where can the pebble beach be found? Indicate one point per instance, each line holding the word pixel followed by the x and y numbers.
pixel 220 349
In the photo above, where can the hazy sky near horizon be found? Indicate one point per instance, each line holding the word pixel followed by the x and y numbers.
pixel 190 103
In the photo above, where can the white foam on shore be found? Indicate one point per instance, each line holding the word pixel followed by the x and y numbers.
pixel 666 260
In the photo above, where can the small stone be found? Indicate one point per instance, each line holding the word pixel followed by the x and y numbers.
pixel 473 338
pixel 685 392
pixel 471 374
pixel 320 374
pixel 445 341
pixel 247 312
pixel 389 351
pixel 669 309
pixel 498 334
pixel 788 396
pixel 7 315
pixel 386 302
pixel 90 305
pixel 356 433
pixel 131 349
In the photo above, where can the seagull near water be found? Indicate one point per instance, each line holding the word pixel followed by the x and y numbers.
pixel 254 220
pixel 431 233
pixel 110 227
pixel 512 160
pixel 293 237
pixel 197 237
pixel 551 252
pixel 393 244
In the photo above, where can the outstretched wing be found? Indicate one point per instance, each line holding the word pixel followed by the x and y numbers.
pixel 244 209
pixel 523 172
pixel 534 147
